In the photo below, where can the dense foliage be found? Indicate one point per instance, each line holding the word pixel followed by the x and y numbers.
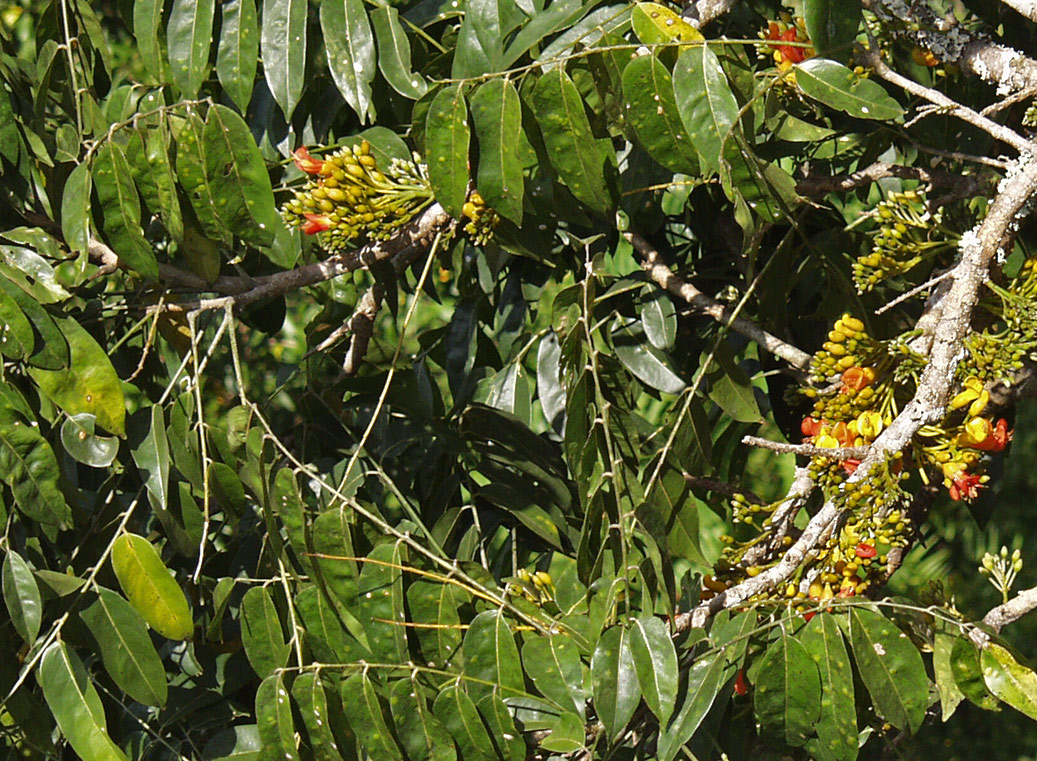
pixel 413 380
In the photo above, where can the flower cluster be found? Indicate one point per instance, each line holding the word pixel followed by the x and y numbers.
pixel 996 352
pixel 908 234
pixel 482 219
pixel 349 196
pixel 787 31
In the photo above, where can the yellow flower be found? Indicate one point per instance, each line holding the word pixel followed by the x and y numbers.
pixel 869 424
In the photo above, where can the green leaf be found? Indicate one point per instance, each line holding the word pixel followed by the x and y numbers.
pixel 733 391
pixel 891 668
pixel 787 702
pixel 28 466
pixel 576 155
pixel 148 154
pixel 75 704
pixel 22 597
pixel 191 170
pixel 422 735
pixel 85 446
pixel 126 650
pixel 237 177
pixel 704 680
pixel 510 746
pixel 614 680
pixel 435 603
pixel 652 112
pixel 832 25
pixel 18 334
pixel 459 715
pixel 553 663
pixel 308 691
pixel 364 713
pixel 497 113
pixel 120 209
pixel 283 45
pixel 480 39
pixel 189 35
pixel 655 662
pixel 950 694
pixel 1009 680
pixel 238 52
pixel 490 655
pixel 394 53
pixel 839 87
pixel 147 26
pixel 837 727
pixel 89 385
pixel 325 635
pixel 644 361
pixel 274 721
pixel 33 273
pixel 568 735
pixel 558 15
pixel 152 459
pixel 351 52
pixel 658 318
pixel 49 349
pixel 261 632
pixel 380 603
pixel 656 24
pixel 705 102
pixel 151 590
pixel 447 135
pixel 75 208
pixel 968 674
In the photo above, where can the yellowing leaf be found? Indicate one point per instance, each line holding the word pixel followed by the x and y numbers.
pixel 149 587
pixel 655 24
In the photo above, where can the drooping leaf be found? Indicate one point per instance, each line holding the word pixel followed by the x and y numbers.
pixel 394 59
pixel 148 154
pixel 950 694
pixel 120 209
pixel 189 35
pixel 283 46
pixel 787 700
pixel 261 632
pixel 459 715
pixel 147 25
pixel 655 662
pixel 491 656
pixel 891 668
pixel 648 364
pixel 147 584
pixel 380 603
pixel 274 721
pixel 704 680
pixel 968 674
pixel 191 171
pixel 22 597
pixel 447 135
pixel 578 157
pixel 30 469
pixel 238 52
pixel 1009 680
pixel 75 208
pixel 310 694
pixel 837 726
pixel 705 102
pixel 497 114
pixel 126 650
pixel 351 52
pixel 614 680
pixel 553 663
pixel 837 86
pixel 506 737
pixel 832 26
pixel 365 715
pixel 422 735
pixel 75 704
pixel 152 458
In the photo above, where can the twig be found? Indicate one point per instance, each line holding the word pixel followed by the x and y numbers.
pixel 809 450
pixel 782 519
pixel 661 274
pixel 1012 610
pixel 722 487
pixel 819 185
pixel 914 291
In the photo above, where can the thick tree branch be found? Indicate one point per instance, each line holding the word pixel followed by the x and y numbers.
pixel 819 185
pixel 1027 8
pixel 700 13
pixel 1012 610
pixel 661 274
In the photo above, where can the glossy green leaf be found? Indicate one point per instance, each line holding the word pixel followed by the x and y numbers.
pixel 480 39
pixel 241 188
pixel 891 668
pixel 126 650
pixel 238 53
pixel 655 663
pixel 261 632
pixel 380 603
pixel 656 24
pixel 351 52
pixel 22 597
pixel 238 743
pixel 553 663
pixel 832 26
pixel 658 318
pixel 950 694
pixel 89 385
pixel 191 171
pixel 33 273
pixel 787 700
pixel 497 115
pixel 422 735
pixel 75 704
pixel 147 28
pixel 310 695
pixel 461 718
pixel 283 45
pixel 839 87
pixel 568 735
pixel 557 16
pixel 436 603
pixel 651 110
pixel 394 53
pixel 510 746
pixel 152 459
pixel 365 715
pixel 50 349
pixel 324 632
pixel 189 35
pixel 75 208
pixel 614 680
pixel 149 587
pixel 732 390
pixel 576 155
pixel 968 674
pixel 1009 680
pixel 148 154
pixel 837 727
pixel 30 469
pixel 705 102
pixel 447 135
pixel 704 681
pixel 490 655
pixel 291 511
pixel 84 445
pixel 644 361
pixel 19 338
pixel 120 209
pixel 764 187
pixel 274 721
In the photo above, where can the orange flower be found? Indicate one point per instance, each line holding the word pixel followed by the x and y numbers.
pixel 998 438
pixel 965 486
pixel 787 55
pixel 315 223
pixel 865 550
pixel 307 163
pixel 856 378
pixel 810 427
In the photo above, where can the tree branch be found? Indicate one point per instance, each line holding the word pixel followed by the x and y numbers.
pixel 807 450
pixel 819 185
pixel 1012 610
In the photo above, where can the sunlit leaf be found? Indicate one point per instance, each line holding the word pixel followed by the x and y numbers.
pixel 189 35
pixel 351 51
pixel 238 52
pixel 148 586
pixel 447 135
pixel 22 596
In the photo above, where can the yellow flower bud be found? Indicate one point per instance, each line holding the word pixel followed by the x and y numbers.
pixel 869 424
